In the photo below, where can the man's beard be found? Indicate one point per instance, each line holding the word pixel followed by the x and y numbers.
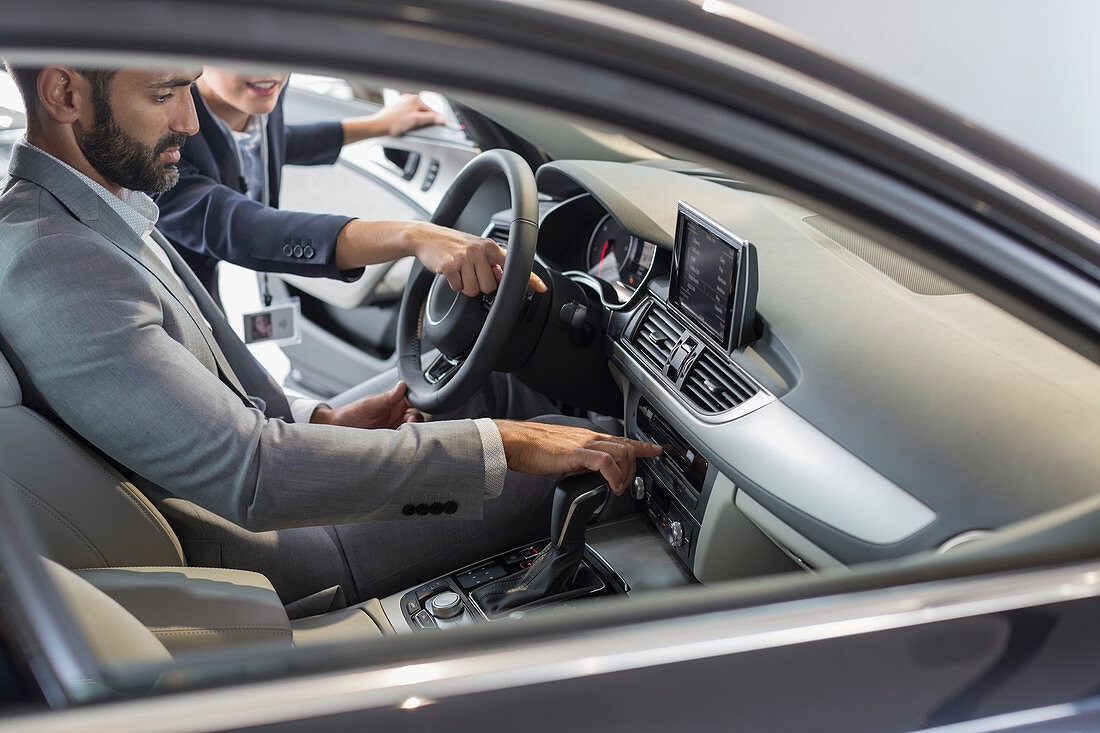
pixel 125 160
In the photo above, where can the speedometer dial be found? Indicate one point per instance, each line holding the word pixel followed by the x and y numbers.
pixel 618 257
pixel 606 249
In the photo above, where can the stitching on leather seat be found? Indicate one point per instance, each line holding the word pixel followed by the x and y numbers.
pixel 182 631
pixel 60 519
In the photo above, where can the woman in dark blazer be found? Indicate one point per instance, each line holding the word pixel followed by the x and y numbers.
pixel 225 206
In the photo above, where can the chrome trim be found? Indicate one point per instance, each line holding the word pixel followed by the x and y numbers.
pixel 431 291
pixel 619 348
pixel 605 566
pixel 454 365
pixel 575 655
pixel 962 538
pixel 573 505
pixel 639 373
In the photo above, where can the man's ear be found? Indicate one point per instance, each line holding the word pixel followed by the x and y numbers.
pixel 64 95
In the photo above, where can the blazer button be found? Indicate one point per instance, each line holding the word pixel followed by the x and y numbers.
pixel 436 508
pixel 450 507
pixel 408 510
pixel 298 250
pixel 422 509
pixel 308 251
pixel 288 251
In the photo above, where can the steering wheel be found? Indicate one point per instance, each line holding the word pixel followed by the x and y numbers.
pixel 470 333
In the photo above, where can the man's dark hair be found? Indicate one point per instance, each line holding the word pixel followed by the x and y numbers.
pixel 26 80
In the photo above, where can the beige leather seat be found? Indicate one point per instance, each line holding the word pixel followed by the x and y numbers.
pixel 94 522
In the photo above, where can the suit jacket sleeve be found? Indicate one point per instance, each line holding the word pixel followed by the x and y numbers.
pixel 208 217
pixel 317 143
pixel 104 347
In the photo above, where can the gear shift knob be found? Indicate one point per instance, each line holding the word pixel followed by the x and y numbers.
pixel 576 500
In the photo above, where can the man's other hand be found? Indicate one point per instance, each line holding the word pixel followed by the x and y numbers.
pixel 542 449
pixel 471 264
pixel 387 410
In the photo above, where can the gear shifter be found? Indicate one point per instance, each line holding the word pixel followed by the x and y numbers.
pixel 576 499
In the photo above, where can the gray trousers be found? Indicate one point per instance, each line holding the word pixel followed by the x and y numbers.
pixel 314 569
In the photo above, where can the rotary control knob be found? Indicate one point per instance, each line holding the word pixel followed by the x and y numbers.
pixel 447 604
pixel 637 489
pixel 675 534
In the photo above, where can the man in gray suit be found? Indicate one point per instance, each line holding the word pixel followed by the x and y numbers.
pixel 109 331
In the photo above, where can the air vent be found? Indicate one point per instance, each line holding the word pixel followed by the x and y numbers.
pixel 499 234
pixel 713 386
pixel 656 335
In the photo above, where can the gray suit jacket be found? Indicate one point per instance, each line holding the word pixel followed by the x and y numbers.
pixel 101 336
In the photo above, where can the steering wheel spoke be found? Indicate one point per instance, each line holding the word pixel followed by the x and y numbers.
pixel 441 369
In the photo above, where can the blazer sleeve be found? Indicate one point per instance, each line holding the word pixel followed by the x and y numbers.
pixel 210 218
pixel 100 341
pixel 317 143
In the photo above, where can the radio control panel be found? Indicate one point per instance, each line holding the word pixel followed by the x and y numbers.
pixel 672 485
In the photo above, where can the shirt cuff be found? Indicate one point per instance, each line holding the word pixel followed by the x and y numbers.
pixel 302 409
pixel 496 463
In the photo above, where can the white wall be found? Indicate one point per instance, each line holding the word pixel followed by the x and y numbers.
pixel 1026 69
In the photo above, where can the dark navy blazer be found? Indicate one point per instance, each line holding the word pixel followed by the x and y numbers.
pixel 209 217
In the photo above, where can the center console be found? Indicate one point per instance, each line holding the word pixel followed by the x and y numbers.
pixel 450 601
pixel 707 313
pixel 672 484
pixel 558 571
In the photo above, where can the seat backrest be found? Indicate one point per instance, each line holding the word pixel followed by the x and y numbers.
pixel 85 513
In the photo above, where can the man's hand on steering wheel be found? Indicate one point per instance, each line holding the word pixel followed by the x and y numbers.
pixel 471 264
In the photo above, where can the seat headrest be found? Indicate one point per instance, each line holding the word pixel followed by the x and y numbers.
pixel 10 394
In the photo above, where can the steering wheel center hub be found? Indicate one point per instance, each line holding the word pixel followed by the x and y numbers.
pixel 452 321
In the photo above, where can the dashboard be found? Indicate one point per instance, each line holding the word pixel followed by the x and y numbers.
pixel 871 409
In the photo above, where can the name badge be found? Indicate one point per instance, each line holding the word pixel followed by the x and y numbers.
pixel 278 323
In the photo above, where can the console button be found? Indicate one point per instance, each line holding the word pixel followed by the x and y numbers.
pixel 447 604
pixel 412 606
pixel 424 620
pixel 675 534
pixel 426 590
pixel 479 576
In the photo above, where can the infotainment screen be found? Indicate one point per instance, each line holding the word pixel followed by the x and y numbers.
pixel 714 278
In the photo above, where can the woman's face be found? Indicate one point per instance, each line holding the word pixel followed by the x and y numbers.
pixel 251 93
